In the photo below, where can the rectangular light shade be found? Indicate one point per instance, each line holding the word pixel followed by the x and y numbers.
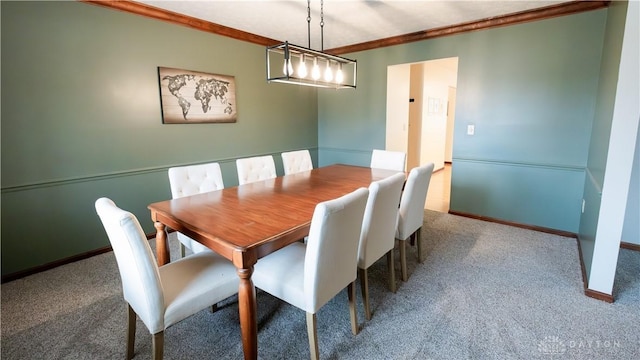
pixel 334 72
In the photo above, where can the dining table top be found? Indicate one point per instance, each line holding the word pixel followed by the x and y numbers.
pixel 264 215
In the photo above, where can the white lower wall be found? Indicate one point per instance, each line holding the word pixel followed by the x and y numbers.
pixel 631 227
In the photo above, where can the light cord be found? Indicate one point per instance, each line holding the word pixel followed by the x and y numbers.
pixel 309 24
pixel 321 25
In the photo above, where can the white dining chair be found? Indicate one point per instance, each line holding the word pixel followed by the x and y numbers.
pixel 390 160
pixel 411 212
pixel 296 161
pixel 308 275
pixel 378 231
pixel 256 168
pixel 191 180
pixel 161 296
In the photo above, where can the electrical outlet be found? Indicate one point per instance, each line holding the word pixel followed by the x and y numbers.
pixel 471 129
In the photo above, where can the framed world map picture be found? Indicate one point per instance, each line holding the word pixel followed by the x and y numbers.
pixel 189 97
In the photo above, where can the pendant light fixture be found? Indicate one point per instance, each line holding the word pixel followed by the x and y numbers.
pixel 290 64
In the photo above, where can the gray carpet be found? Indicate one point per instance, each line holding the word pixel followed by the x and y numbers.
pixel 485 291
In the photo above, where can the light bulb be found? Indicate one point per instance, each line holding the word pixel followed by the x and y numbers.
pixel 328 74
pixel 339 75
pixel 287 68
pixel 315 72
pixel 302 67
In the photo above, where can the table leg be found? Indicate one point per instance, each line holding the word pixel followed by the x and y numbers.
pixel 248 314
pixel 162 246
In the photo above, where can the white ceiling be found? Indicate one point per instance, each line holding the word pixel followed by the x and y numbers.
pixel 347 22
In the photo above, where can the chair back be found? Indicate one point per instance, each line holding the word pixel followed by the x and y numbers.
pixel 380 219
pixel 191 180
pixel 296 161
pixel 332 247
pixel 414 196
pixel 390 160
pixel 139 273
pixel 255 169
pixel 195 179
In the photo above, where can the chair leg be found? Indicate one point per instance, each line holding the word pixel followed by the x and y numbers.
pixel 419 241
pixel 364 287
pixel 158 345
pixel 392 270
pixel 403 259
pixel 313 336
pixel 214 308
pixel 131 331
pixel 351 290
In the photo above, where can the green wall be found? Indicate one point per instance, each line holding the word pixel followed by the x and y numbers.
pixel 81 119
pixel 529 90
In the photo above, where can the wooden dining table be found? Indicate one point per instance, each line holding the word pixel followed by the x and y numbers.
pixel 250 221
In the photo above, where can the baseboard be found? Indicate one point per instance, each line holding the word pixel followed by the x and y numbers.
pixel 516 224
pixel 629 246
pixel 599 295
pixel 54 264
pixel 588 292
pixel 38 269
pixel 583 269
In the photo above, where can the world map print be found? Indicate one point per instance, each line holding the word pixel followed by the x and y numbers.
pixel 196 97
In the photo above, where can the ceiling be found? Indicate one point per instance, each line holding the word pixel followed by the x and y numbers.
pixel 347 22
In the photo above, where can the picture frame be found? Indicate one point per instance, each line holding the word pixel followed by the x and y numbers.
pixel 192 97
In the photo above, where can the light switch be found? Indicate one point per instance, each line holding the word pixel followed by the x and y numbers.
pixel 471 129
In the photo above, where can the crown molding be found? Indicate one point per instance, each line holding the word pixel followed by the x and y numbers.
pixel 179 19
pixel 498 21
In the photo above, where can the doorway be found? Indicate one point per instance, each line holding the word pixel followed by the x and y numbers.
pixel 420 118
